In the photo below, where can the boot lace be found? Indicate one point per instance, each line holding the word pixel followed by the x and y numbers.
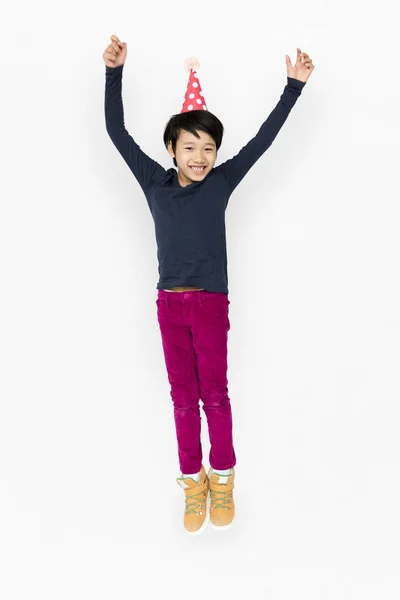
pixel 195 502
pixel 220 499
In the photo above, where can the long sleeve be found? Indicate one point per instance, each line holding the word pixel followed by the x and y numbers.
pixel 146 170
pixel 236 168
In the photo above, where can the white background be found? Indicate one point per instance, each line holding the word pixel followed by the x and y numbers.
pixel 89 503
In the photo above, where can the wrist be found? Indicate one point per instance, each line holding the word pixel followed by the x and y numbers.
pixel 115 70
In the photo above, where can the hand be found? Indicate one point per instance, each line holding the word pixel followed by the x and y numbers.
pixel 115 53
pixel 303 67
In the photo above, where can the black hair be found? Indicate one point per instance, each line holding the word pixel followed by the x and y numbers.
pixel 202 120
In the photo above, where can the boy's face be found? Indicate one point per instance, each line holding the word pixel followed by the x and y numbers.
pixel 191 152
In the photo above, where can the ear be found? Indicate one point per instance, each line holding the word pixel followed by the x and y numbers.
pixel 170 151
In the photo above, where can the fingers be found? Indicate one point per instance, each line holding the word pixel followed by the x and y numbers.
pixel 112 51
pixel 109 56
pixel 307 61
pixel 115 39
pixel 304 58
pixel 115 47
pixel 301 54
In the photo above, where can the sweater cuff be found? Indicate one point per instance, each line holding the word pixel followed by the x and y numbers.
pixel 114 70
pixel 296 83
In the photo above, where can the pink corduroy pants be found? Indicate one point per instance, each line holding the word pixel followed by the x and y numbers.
pixel 194 329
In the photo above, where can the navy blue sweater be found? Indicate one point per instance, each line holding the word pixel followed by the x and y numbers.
pixel 190 220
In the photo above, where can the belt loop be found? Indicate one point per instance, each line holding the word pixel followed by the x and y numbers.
pixel 201 297
pixel 167 298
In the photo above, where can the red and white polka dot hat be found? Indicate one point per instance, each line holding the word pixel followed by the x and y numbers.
pixel 194 99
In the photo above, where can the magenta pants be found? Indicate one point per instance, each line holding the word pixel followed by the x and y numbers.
pixel 194 329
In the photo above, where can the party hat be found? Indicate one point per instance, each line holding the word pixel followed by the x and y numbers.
pixel 194 98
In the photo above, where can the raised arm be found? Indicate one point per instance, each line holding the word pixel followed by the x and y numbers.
pixel 146 170
pixel 236 168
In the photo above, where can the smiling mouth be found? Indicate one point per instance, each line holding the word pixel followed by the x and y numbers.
pixel 197 170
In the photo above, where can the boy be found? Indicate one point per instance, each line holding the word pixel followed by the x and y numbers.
pixel 188 208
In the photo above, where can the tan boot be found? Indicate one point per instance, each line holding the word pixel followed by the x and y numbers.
pixel 196 514
pixel 222 505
